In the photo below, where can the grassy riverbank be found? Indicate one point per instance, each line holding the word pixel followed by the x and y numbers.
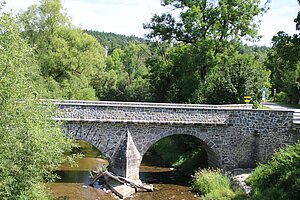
pixel 278 179
pixel 212 185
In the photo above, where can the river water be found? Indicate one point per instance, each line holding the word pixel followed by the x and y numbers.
pixel 74 183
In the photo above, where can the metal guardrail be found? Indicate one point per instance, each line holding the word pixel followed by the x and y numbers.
pixel 297 117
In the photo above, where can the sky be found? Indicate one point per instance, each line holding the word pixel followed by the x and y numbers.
pixel 127 16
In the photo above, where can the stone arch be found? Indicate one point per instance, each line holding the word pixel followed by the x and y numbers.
pixel 88 133
pixel 213 153
pixel 93 146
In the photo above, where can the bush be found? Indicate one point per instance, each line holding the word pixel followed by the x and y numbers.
pixel 212 184
pixel 282 97
pixel 280 177
pixel 32 144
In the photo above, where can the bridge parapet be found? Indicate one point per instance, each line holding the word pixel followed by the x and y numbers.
pixel 119 112
pixel 148 104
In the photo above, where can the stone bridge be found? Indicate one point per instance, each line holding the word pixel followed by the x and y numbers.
pixel 234 136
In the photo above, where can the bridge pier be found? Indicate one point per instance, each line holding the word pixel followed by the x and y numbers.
pixel 126 159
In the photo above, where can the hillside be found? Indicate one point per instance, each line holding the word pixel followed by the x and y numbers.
pixel 113 40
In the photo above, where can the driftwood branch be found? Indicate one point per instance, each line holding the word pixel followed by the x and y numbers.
pixel 135 184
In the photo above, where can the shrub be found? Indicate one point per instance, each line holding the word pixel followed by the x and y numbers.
pixel 280 177
pixel 282 97
pixel 212 184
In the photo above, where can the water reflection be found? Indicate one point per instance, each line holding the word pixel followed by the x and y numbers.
pixel 74 177
pixel 162 175
pixel 74 183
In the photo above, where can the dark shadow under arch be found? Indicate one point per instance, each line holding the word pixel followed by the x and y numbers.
pixel 213 158
pixel 198 155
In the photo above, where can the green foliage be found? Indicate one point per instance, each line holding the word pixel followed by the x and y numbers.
pixel 283 61
pixel 114 41
pixel 194 49
pixel 282 97
pixel 174 75
pixel 212 184
pixel 68 58
pixel 280 177
pixel 234 77
pixel 32 144
pixel 297 20
pixel 125 76
pixel 210 26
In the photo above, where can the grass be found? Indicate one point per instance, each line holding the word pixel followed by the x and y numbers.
pixel 263 107
pixel 213 185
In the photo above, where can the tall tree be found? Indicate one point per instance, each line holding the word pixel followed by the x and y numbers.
pixel 32 144
pixel 113 41
pixel 126 75
pixel 297 20
pixel 234 77
pixel 209 25
pixel 200 33
pixel 68 57
pixel 284 62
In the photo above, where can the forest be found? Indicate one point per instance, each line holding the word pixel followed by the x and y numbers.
pixel 198 57
pixel 175 62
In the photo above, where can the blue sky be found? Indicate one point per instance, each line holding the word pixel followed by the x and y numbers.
pixel 127 16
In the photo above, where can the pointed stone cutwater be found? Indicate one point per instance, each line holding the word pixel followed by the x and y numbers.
pixel 126 159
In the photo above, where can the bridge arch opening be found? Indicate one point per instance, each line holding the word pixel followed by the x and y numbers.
pixel 92 160
pixel 88 150
pixel 181 152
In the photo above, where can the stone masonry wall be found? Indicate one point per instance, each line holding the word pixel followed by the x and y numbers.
pixel 232 137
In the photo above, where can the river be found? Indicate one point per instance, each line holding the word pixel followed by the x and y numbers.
pixel 74 182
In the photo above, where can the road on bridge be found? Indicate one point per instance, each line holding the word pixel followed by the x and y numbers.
pixel 275 106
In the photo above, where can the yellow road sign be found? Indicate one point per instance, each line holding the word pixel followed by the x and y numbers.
pixel 247 99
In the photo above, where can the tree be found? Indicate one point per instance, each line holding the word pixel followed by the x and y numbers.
pixel 125 76
pixel 114 41
pixel 203 32
pixel 235 77
pixel 297 20
pixel 68 57
pixel 207 24
pixel 32 144
pixel 173 73
pixel 283 61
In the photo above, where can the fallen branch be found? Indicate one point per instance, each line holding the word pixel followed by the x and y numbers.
pixel 135 184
